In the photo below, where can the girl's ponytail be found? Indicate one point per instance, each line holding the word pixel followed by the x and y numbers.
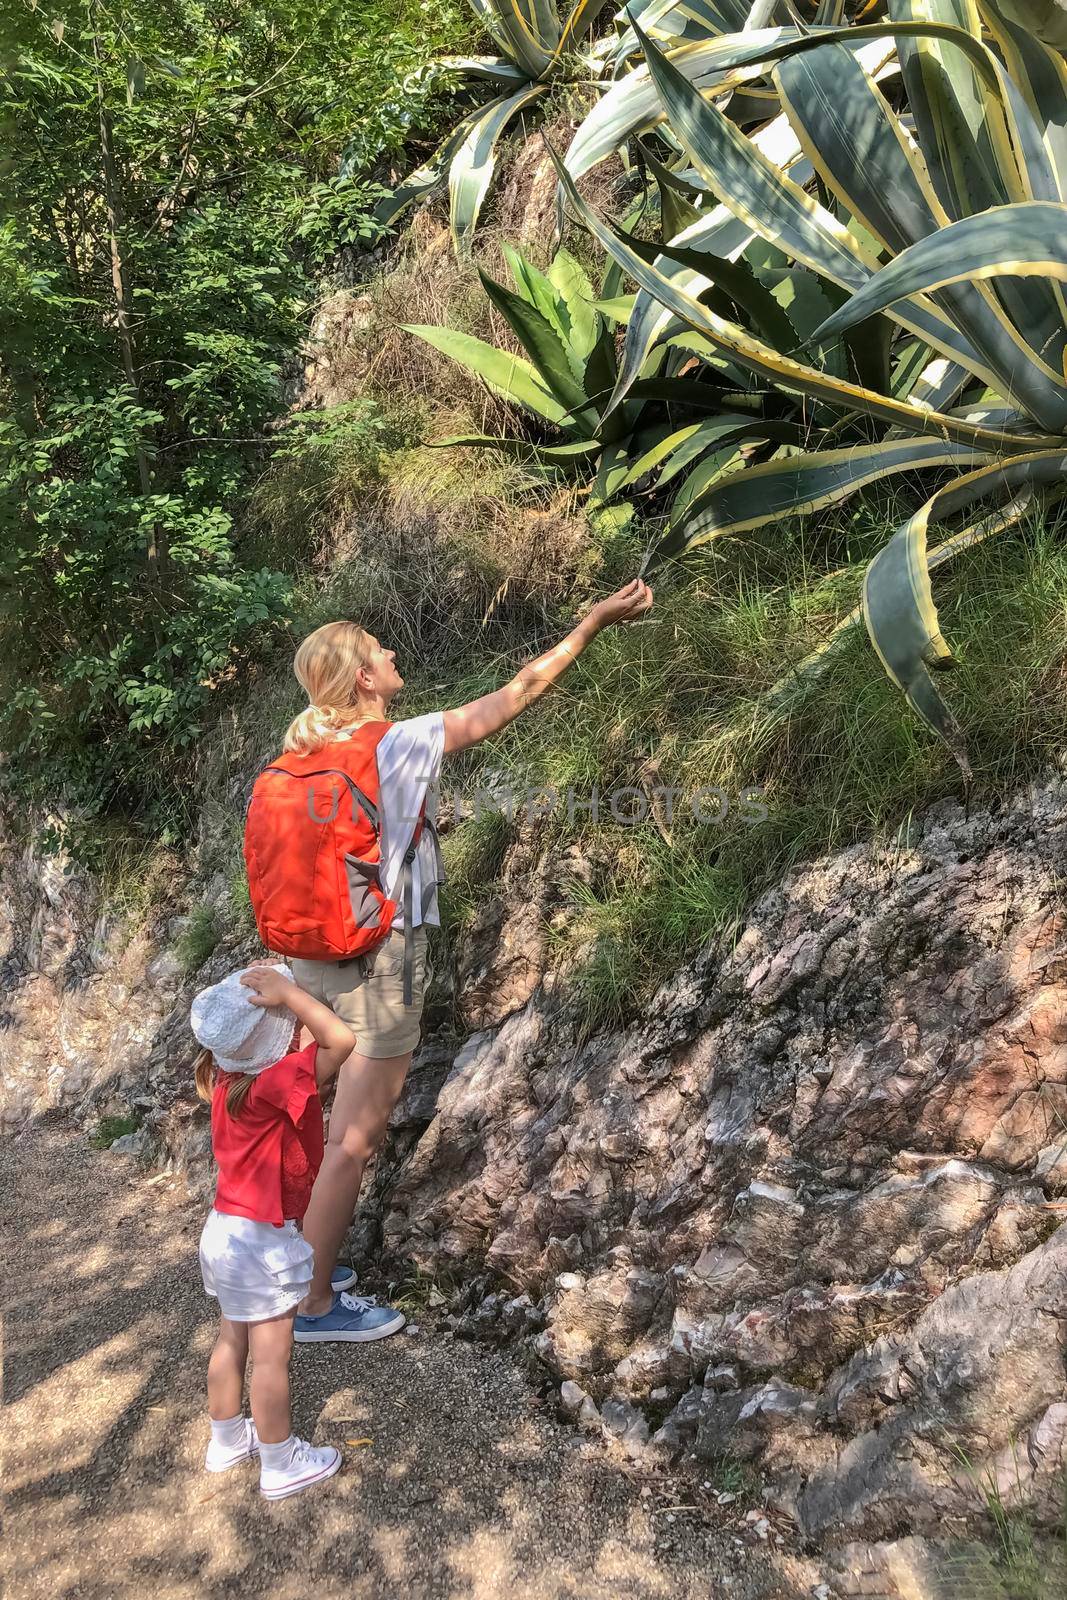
pixel 237 1083
pixel 205 1074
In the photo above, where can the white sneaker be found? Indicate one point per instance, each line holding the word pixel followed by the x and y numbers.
pixel 220 1458
pixel 306 1467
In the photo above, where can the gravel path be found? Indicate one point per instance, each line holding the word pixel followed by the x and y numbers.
pixel 469 1488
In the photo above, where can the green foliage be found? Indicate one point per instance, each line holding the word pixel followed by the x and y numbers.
pixel 338 214
pixel 1023 1563
pixel 169 187
pixel 473 855
pixel 322 462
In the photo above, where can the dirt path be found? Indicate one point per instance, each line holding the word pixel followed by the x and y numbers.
pixel 469 1489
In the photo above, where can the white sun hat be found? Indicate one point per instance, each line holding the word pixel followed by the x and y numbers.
pixel 241 1036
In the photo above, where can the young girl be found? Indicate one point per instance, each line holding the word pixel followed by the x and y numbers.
pixel 267 1136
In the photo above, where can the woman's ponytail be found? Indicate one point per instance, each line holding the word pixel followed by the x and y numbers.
pixel 326 665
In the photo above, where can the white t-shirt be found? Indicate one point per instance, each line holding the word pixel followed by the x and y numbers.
pixel 409 768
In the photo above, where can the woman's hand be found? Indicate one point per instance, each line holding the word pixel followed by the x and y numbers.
pixel 272 987
pixel 626 605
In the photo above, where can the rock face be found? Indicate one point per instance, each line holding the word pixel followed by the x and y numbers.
pixel 802 1214
pixel 806 1203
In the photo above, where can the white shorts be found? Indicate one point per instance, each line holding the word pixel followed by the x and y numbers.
pixel 255 1270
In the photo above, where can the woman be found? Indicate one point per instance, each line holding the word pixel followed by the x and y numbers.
pixel 350 679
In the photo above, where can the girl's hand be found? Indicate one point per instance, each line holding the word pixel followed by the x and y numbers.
pixel 626 605
pixel 272 987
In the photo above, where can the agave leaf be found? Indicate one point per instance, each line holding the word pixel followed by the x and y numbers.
pixel 580 19
pixel 651 322
pixel 723 431
pixel 722 370
pixel 719 234
pixel 676 208
pixel 425 180
pixel 611 470
pixel 913 360
pixel 612 281
pixel 546 350
pixel 939 385
pixel 511 377
pixel 768 200
pixel 670 445
pixel 898 602
pixel 982 148
pixel 857 145
pixel 632 105
pixel 717 66
pixel 687 393
pixel 681 19
pixel 806 302
pixel 556 455
pixel 716 466
pixel 961 127
pixel 799 485
pixel 493 69
pixel 737 280
pixel 520 35
pixel 471 169
pixel 811 668
pixel 1041 74
pixel 619 308
pixel 534 287
pixel 1045 19
pixel 736 344
pixel 1024 240
pixel 560 298
pixel 541 17
pixel 572 282
pixel 861 151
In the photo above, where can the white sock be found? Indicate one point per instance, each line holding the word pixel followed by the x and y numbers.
pixel 276 1457
pixel 231 1434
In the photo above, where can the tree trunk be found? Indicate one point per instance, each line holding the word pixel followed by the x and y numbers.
pixel 120 283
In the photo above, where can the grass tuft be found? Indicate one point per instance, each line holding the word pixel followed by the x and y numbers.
pixel 198 940
pixel 108 1129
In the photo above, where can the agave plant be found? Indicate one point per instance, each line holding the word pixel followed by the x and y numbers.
pixel 924 233
pixel 568 375
pixel 537 50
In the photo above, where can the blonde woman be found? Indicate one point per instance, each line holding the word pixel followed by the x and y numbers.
pixel 351 679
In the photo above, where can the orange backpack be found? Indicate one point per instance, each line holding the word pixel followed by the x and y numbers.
pixel 312 846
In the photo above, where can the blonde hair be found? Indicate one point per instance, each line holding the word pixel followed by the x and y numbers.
pixel 238 1084
pixel 326 665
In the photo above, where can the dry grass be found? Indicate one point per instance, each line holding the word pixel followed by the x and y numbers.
pixel 433 561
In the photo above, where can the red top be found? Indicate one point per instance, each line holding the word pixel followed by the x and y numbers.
pixel 270 1152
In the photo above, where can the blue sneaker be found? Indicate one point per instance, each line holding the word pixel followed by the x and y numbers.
pixel 352 1319
pixel 341 1278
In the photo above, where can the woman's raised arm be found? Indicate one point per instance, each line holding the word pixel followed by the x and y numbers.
pixel 468 724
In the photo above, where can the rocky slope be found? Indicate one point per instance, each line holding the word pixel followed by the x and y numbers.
pixel 803 1214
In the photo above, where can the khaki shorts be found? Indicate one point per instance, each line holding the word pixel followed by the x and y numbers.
pixel 373 1005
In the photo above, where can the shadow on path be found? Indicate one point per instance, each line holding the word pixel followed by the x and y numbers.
pixel 467 1489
